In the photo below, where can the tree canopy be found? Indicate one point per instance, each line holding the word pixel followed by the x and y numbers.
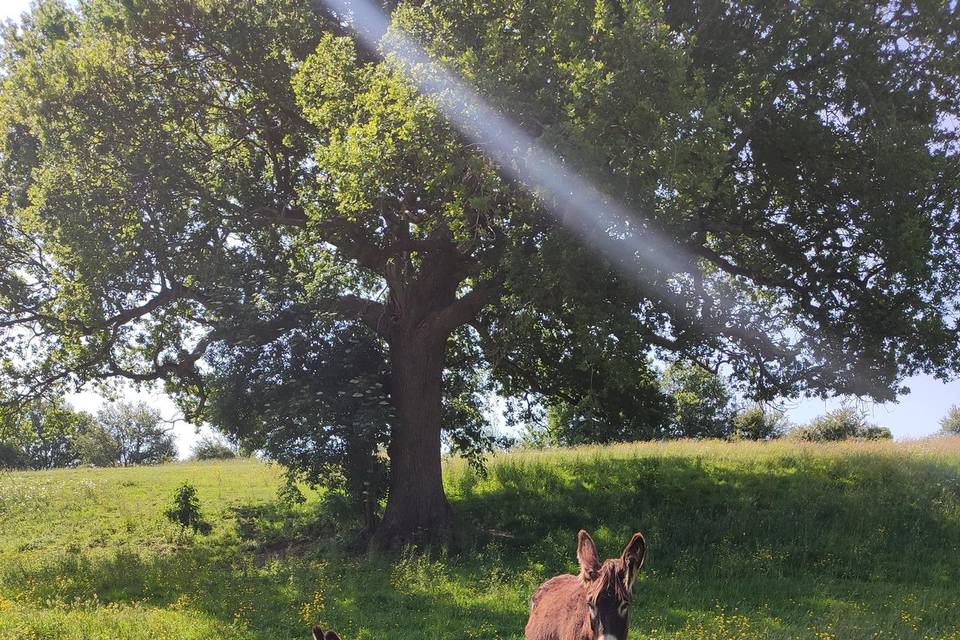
pixel 950 424
pixel 138 432
pixel 205 181
pixel 703 403
pixel 43 434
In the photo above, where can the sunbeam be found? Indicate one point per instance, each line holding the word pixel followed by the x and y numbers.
pixel 621 236
pixel 609 228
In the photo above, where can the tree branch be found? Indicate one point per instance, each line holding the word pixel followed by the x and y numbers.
pixel 465 308
pixel 371 313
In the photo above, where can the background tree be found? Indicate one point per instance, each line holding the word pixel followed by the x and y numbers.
pixel 759 423
pixel 703 403
pixel 211 448
pixel 185 177
pixel 138 431
pixel 97 446
pixel 11 427
pixel 951 422
pixel 316 402
pixel 42 435
pixel 621 408
pixel 846 423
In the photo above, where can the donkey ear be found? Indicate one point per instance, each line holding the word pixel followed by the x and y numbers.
pixel 632 557
pixel 317 633
pixel 331 635
pixel 587 556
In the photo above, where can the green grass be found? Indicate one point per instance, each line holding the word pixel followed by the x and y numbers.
pixel 746 541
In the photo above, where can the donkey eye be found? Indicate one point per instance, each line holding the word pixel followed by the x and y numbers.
pixel 622 609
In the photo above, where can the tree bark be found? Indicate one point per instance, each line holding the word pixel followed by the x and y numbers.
pixel 417 512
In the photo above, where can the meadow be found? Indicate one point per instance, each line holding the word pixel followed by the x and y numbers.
pixel 746 541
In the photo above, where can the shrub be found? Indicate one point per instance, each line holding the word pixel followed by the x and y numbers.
pixel 951 422
pixel 757 423
pixel 185 510
pixel 873 432
pixel 211 448
pixel 289 493
pixel 842 424
pixel 11 456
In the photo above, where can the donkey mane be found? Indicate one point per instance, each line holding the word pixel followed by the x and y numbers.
pixel 608 581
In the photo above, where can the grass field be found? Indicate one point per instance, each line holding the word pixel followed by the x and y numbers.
pixel 746 541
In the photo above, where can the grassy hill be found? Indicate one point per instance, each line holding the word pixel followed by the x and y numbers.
pixel 746 541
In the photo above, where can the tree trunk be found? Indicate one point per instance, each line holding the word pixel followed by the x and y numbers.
pixel 417 508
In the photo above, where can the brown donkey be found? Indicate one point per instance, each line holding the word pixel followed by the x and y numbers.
pixel 592 605
pixel 318 634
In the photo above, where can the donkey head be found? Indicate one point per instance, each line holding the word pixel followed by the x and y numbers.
pixel 609 585
pixel 318 634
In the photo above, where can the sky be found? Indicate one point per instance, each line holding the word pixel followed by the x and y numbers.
pixel 914 415
pixel 13 8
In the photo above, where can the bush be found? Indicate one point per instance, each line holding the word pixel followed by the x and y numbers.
pixel 842 424
pixel 874 432
pixel 289 493
pixel 11 456
pixel 951 422
pixel 185 511
pixel 211 448
pixel 757 423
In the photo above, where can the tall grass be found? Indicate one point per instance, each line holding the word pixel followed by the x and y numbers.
pixel 748 540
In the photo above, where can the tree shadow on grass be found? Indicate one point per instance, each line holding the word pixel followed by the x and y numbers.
pixel 416 596
pixel 269 596
pixel 796 540
pixel 861 518
pixel 784 542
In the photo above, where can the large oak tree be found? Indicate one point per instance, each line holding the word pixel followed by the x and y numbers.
pixel 183 180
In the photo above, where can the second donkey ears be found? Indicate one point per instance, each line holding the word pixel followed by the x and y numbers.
pixel 318 634
pixel 632 556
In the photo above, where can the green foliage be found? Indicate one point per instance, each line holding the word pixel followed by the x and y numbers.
pixel 48 434
pixel 210 448
pixel 703 402
pixel 185 511
pixel 318 127
pixel 951 422
pixel 139 435
pixel 289 493
pixel 43 434
pixel 874 432
pixel 317 403
pixel 97 446
pixel 618 413
pixel 842 424
pixel 783 540
pixel 759 423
